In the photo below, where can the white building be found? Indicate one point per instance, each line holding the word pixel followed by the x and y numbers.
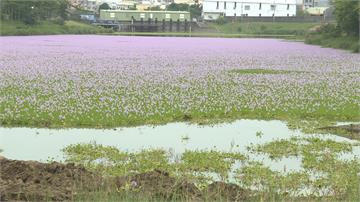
pixel 213 9
pixel 190 2
pixel 315 3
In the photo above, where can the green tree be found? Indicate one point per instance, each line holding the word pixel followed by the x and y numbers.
pixel 104 6
pixel 32 11
pixel 195 9
pixel 154 8
pixel 347 15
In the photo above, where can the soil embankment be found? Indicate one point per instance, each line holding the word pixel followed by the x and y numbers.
pixel 35 181
pixel 351 131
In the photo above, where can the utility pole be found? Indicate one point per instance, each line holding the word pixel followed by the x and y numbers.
pixel 242 14
pixel 190 19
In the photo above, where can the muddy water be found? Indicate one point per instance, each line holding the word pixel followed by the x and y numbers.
pixel 42 144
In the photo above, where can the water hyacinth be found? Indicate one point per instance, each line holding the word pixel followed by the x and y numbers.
pixel 120 80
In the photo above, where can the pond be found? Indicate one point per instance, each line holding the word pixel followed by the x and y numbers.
pixel 42 144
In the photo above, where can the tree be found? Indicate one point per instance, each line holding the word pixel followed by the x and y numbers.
pixel 104 6
pixel 347 15
pixel 195 9
pixel 154 8
pixel 33 11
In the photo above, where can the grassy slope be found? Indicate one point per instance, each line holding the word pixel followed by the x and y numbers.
pixel 343 42
pixel 70 27
pixel 286 30
pixel 204 34
pixel 238 30
pixel 266 28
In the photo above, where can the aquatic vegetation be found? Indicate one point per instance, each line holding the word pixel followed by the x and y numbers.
pixel 259 71
pixel 279 148
pixel 194 165
pixel 329 172
pixel 259 134
pixel 296 146
pixel 108 81
pixel 212 161
pixel 325 172
pixel 112 161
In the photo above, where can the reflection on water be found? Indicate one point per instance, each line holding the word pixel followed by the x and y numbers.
pixel 40 144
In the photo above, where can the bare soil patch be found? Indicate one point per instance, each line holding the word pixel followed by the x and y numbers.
pixel 35 181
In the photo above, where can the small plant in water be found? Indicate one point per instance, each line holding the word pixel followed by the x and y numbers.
pixel 185 138
pixel 259 134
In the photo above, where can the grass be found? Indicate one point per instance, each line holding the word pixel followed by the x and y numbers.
pixel 11 28
pixel 351 43
pixel 264 28
pixel 324 174
pixel 205 34
pixel 229 30
pixel 241 30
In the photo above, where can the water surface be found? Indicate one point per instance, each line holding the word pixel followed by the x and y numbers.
pixel 42 144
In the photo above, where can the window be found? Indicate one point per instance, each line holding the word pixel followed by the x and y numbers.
pixel 217 5
pixel 260 6
pixel 167 15
pixel 224 5
pixel 288 6
pixel 273 7
pixel 182 16
pixel 247 7
pixel 112 15
pixel 234 5
pixel 142 15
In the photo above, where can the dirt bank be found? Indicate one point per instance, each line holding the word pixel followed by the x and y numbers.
pixel 159 184
pixel 351 131
pixel 35 181
pixel 30 180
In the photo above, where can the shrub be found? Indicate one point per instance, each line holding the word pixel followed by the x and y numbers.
pixel 330 30
pixel 263 28
pixel 220 21
pixel 58 21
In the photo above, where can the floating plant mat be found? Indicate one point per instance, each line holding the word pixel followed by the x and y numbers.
pixel 95 81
